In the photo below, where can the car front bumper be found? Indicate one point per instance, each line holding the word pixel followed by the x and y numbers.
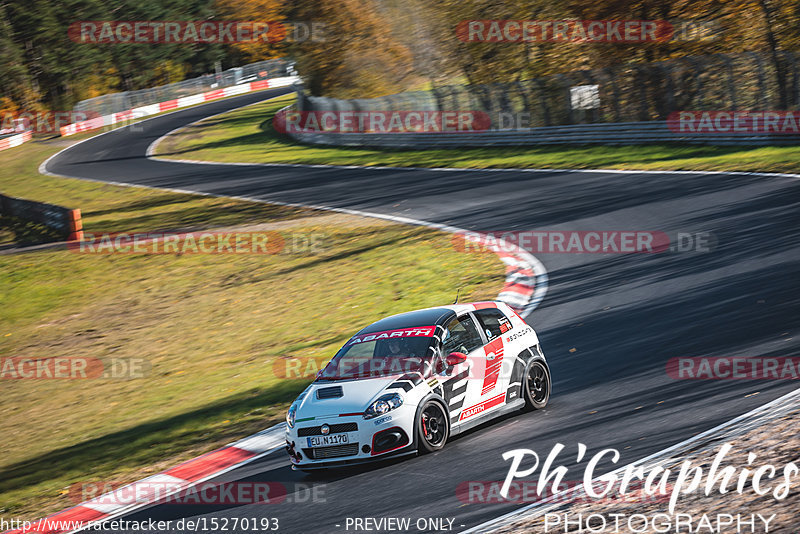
pixel 367 439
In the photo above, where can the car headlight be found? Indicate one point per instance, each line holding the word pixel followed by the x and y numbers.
pixel 291 415
pixel 383 404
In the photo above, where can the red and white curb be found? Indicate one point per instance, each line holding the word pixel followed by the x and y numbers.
pixel 526 281
pixel 152 109
pixel 15 140
pixel 177 479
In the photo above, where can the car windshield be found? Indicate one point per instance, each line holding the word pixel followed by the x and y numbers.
pixel 382 354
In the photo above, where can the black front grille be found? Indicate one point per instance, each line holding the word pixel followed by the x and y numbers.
pixel 335 429
pixel 337 451
pixel 330 393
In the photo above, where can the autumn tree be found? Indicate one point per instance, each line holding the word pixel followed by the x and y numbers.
pixel 729 26
pixel 16 87
pixel 356 56
pixel 271 12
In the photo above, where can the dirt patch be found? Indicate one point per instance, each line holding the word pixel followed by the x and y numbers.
pixel 338 220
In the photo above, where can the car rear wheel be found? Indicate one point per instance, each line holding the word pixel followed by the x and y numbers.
pixel 433 427
pixel 536 385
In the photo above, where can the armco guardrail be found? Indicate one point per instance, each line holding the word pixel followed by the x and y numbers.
pixel 625 133
pixel 152 109
pixel 65 221
pixel 15 140
pixel 119 102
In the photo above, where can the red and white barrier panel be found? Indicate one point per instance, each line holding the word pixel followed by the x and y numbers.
pixel 152 109
pixel 15 140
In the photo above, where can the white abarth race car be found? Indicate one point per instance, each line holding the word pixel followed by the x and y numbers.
pixel 408 382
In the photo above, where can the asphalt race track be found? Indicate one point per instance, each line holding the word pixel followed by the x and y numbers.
pixel 625 315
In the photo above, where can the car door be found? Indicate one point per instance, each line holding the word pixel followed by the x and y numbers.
pixel 494 324
pixel 461 385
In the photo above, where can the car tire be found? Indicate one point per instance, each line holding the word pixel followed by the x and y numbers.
pixel 432 427
pixel 536 384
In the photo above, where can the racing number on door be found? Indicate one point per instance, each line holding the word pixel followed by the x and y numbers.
pixel 494 362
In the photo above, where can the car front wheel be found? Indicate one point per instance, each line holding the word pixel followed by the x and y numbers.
pixel 433 427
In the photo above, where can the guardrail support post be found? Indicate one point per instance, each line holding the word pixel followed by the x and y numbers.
pixel 75 226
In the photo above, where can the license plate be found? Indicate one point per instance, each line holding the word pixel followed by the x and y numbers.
pixel 326 441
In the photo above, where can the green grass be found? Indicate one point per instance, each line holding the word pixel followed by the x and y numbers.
pixel 17 232
pixel 246 135
pixel 207 328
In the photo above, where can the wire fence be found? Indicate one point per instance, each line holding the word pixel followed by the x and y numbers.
pixel 118 102
pixel 625 93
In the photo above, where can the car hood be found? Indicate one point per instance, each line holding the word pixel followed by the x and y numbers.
pixel 323 398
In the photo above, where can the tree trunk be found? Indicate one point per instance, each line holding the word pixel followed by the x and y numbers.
pixel 780 73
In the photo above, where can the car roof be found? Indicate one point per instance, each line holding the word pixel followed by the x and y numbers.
pixel 427 317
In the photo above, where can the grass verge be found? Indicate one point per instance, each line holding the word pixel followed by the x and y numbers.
pixel 17 232
pixel 206 330
pixel 246 135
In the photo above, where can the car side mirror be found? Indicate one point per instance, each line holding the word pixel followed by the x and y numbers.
pixel 455 358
